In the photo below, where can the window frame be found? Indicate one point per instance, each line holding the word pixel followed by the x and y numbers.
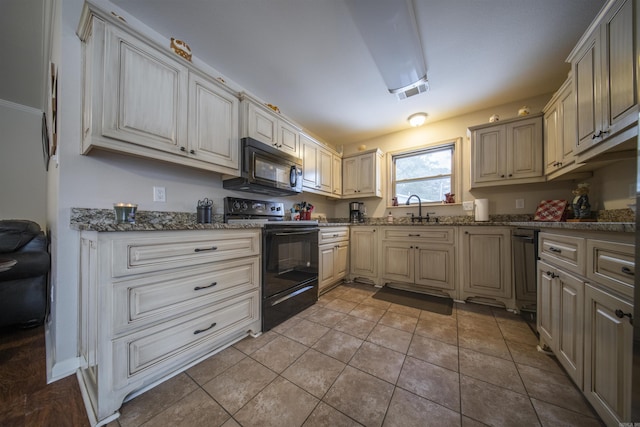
pixel 456 170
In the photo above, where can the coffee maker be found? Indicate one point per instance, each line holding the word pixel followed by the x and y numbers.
pixel 354 212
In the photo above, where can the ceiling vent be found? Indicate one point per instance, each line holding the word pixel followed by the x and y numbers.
pixel 415 90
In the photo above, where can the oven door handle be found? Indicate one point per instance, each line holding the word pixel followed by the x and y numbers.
pixel 294 233
pixel 286 297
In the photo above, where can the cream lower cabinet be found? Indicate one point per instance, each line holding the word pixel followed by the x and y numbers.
pixel 585 282
pixel 364 250
pixel 333 251
pixel 485 265
pixel 154 303
pixel 560 321
pixel 419 259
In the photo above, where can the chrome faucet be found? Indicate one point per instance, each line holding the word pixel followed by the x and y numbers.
pixel 419 218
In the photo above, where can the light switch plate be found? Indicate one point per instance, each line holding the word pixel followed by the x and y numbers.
pixel 159 194
pixel 467 206
pixel 519 203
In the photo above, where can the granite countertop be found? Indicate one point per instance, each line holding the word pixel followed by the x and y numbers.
pixel 103 220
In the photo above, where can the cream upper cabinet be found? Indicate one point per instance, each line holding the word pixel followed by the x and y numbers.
pixel 142 100
pixel 364 253
pixel 560 131
pixel 317 169
pixel 604 71
pixel 213 119
pixel 507 152
pixel 419 259
pixel 336 171
pixel 264 124
pixel 485 264
pixel 361 175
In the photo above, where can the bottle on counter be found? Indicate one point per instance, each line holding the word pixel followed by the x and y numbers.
pixel 390 218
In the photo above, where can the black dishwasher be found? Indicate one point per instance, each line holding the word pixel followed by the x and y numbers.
pixel 524 243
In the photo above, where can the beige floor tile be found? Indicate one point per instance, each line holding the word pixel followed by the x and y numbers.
pixel 434 351
pixel 249 344
pixel 389 337
pixel 314 372
pixel 378 303
pixel 237 385
pixel 338 345
pixel 280 404
pixel 436 317
pixel 288 324
pixel 361 396
pixel 195 409
pixel 495 405
pixel 553 388
pixel 483 343
pixel 552 416
pixel 209 368
pixel 341 305
pixel 356 326
pixel 431 382
pixel 147 405
pixel 357 295
pixel 326 317
pixel 528 354
pixel 469 422
pixel 399 321
pixel 306 332
pixel 403 309
pixel 444 329
pixel 324 416
pixel 278 354
pixel 367 312
pixel 481 325
pixel 408 410
pixel 518 332
pixel 491 369
pixel 230 423
pixel 378 361
pixel 308 311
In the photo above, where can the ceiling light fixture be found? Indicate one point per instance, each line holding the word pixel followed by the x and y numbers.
pixel 417 119
pixel 390 31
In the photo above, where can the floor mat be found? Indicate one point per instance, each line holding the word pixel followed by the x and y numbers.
pixel 438 305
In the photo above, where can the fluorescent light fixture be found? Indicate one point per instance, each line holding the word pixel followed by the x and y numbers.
pixel 390 31
pixel 417 119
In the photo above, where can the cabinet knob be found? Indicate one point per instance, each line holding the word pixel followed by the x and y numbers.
pixel 501 176
pixel 552 274
pixel 627 270
pixel 183 149
pixel 510 175
pixel 192 151
pixel 621 314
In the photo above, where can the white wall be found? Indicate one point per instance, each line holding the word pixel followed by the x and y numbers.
pixel 22 167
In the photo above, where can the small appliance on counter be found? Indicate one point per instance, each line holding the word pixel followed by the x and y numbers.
pixel 356 212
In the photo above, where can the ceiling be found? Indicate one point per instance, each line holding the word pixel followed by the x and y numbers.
pixel 308 58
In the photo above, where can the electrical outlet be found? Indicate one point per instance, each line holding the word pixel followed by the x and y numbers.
pixel 159 194
pixel 519 203
pixel 467 206
pixel 632 191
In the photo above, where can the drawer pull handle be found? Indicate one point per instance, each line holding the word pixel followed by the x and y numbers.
pixel 199 331
pixel 627 270
pixel 556 250
pixel 621 314
pixel 212 248
pixel 414 235
pixel 199 288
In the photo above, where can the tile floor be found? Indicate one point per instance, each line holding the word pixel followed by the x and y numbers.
pixel 353 360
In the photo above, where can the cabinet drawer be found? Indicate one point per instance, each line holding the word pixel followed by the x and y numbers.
pixel 159 348
pixel 423 234
pixel 333 234
pixel 141 253
pixel 563 251
pixel 158 298
pixel 611 264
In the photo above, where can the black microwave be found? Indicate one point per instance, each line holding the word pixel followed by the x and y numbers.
pixel 266 170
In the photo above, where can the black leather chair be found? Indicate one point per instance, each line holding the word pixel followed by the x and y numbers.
pixel 24 273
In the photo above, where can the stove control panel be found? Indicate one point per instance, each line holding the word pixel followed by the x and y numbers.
pixel 247 208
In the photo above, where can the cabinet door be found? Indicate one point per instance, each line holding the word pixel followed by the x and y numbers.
pixel 567 142
pixel 288 139
pixel 336 181
pixel 570 313
pixel 325 163
pixel 309 163
pixel 524 148
pixel 489 154
pixel 434 266
pixel 364 252
pixel 618 76
pixel 262 126
pixel 145 94
pixel 213 123
pixel 551 139
pixel 547 312
pixel 585 73
pixel 398 261
pixel 350 176
pixel 607 358
pixel 327 271
pixel 341 261
pixel 367 174
pixel 486 260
